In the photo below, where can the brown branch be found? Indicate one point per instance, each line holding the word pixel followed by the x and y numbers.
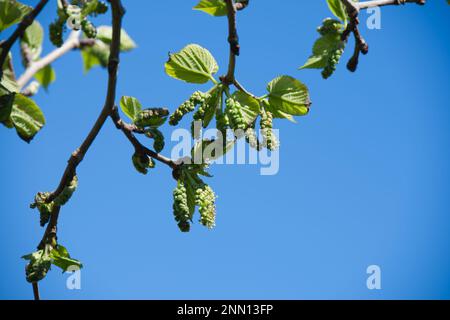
pixel 129 130
pixel 36 291
pixel 78 155
pixel 353 9
pixel 233 40
pixel 380 3
pixel 23 25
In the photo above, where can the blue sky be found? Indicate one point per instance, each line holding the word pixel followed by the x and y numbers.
pixel 364 178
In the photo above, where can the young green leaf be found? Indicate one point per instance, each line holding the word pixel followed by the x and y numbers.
pixel 46 76
pixel 249 106
pixel 26 117
pixel 322 50
pixel 12 12
pixel 289 96
pixel 192 64
pixel 130 106
pixel 61 258
pixel 33 38
pixel 338 9
pixel 215 8
pixel 104 33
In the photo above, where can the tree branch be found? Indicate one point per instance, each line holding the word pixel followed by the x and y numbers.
pixel 128 131
pixel 78 155
pixel 23 25
pixel 380 3
pixel 72 42
pixel 233 39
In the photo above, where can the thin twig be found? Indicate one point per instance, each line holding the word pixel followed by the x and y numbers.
pixel 128 130
pixel 233 40
pixel 78 155
pixel 380 3
pixel 72 42
pixel 36 291
pixel 23 25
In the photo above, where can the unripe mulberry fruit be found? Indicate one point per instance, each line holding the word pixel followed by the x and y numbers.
pixel 333 61
pixel 89 29
pixel 329 26
pixel 187 107
pixel 266 124
pixel 233 111
pixel 205 200
pixel 181 207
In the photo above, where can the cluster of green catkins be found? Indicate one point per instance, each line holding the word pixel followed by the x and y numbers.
pixel 76 12
pixel 266 124
pixel 46 209
pixel 142 162
pixel 205 200
pixel 197 98
pixel 234 113
pixel 331 27
pixel 181 207
pixel 39 265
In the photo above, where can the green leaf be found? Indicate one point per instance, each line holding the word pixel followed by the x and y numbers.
pixel 215 8
pixel 212 104
pixel 249 106
pixel 322 50
pixel 338 9
pixel 104 33
pixel 26 117
pixel 130 106
pixel 61 258
pixel 12 12
pixel 98 54
pixel 192 64
pixel 6 104
pixel 33 38
pixel 46 76
pixel 289 96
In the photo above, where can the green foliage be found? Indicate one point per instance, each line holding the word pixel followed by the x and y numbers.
pixel 41 261
pixel 338 9
pixel 26 117
pixel 151 117
pixel 289 96
pixel 130 106
pixel 12 12
pixel 266 124
pixel 39 264
pixel 192 64
pixel 158 138
pixel 186 107
pixel 98 54
pixel 215 8
pixel 190 192
pixel 67 193
pixel 33 38
pixel 46 76
pixel 142 162
pixel 181 207
pixel 45 209
pixel 328 49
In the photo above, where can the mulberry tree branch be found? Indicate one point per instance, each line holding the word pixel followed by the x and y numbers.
pixel 23 25
pixel 233 40
pixel 129 131
pixel 77 156
pixel 72 42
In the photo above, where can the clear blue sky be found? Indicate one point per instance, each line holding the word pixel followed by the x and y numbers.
pixel 364 178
